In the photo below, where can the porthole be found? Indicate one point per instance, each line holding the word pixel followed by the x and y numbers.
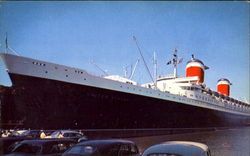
pixel 66 75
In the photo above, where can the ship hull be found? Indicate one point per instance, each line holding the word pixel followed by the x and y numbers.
pixel 41 103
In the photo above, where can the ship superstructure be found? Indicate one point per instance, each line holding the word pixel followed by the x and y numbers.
pixel 66 97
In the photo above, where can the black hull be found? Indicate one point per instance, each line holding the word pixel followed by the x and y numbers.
pixel 48 104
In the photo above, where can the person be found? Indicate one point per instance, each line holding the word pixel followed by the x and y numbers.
pixel 42 135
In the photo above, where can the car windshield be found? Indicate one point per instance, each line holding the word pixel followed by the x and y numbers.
pixel 83 150
pixel 55 134
pixel 25 133
pixel 27 148
pixel 18 132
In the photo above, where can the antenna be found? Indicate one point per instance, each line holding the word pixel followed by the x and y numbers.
pixel 175 61
pixel 105 72
pixel 143 59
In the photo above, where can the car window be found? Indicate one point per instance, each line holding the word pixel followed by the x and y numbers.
pixel 112 151
pixel 66 134
pixel 55 134
pixel 83 150
pixel 208 153
pixel 124 150
pixel 134 149
pixel 73 134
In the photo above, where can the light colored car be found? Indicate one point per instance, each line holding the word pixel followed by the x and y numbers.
pixel 75 135
pixel 17 132
pixel 178 148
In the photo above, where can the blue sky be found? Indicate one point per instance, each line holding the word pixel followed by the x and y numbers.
pixel 76 33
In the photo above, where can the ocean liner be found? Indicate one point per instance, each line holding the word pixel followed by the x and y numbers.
pixel 52 96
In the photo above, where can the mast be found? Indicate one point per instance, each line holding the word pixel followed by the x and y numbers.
pixel 175 61
pixel 6 43
pixel 155 69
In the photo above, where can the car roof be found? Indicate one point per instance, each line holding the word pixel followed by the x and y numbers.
pixel 178 147
pixel 40 141
pixel 67 131
pixel 105 142
pixel 201 145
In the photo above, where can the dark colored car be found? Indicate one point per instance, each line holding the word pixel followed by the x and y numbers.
pixel 6 144
pixel 42 147
pixel 103 148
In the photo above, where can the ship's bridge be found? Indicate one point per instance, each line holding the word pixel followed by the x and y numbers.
pixel 176 85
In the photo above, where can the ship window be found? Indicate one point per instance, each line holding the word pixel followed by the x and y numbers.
pixel 66 69
pixel 66 75
pixel 84 78
pixel 81 72
pixel 55 67
pixel 46 72
pixel 121 86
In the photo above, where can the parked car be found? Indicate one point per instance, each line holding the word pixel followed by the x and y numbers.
pixel 75 135
pixel 17 133
pixel 178 148
pixel 42 147
pixel 103 148
pixel 6 144
pixel 31 133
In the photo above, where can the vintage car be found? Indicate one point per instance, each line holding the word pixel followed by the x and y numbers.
pixel 72 134
pixel 108 147
pixel 42 147
pixel 178 148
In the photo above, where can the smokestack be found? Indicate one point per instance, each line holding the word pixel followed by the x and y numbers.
pixel 223 86
pixel 196 67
